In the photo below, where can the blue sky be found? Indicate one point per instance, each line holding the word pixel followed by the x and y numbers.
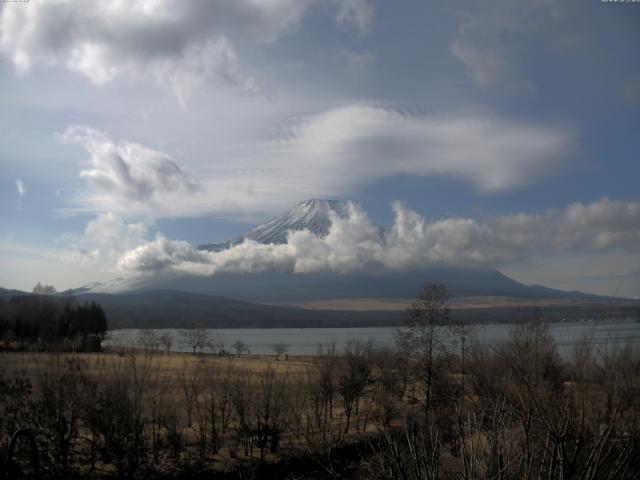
pixel 225 113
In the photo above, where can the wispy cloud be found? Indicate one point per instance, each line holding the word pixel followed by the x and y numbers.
pixel 358 13
pixel 20 187
pixel 493 41
pixel 356 145
pixel 325 155
pixel 480 45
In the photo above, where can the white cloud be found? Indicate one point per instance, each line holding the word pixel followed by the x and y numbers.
pixel 600 226
pixel 493 38
pixel 325 155
pixel 351 244
pixel 202 62
pixel 122 174
pixel 20 187
pixel 480 45
pixel 105 239
pixel 180 44
pixel 354 243
pixel 358 13
pixel 357 145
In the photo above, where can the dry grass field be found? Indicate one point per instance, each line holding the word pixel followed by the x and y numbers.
pixel 414 412
pixel 171 364
pixel 455 303
pixel 204 409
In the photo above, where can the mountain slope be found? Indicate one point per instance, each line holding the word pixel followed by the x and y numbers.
pixel 312 215
pixel 282 287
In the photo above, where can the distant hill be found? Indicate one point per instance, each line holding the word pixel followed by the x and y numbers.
pixel 6 294
pixel 176 309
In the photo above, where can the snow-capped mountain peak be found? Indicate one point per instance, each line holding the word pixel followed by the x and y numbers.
pixel 312 215
pixel 115 285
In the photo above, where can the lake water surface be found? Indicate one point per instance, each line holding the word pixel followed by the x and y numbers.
pixel 305 341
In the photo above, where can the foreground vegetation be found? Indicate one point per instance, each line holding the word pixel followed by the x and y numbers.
pixel 418 411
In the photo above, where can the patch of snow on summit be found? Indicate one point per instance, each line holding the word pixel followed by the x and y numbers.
pixel 312 215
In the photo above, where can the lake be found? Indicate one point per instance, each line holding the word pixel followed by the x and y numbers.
pixel 305 341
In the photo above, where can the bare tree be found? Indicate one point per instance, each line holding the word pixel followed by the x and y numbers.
pixel 148 339
pixel 280 349
pixel 116 419
pixel 410 452
pixel 167 342
pixel 157 407
pixel 242 402
pixel 421 335
pixel 217 344
pixel 298 405
pixel 325 385
pixel 62 385
pixel 389 386
pixel 269 410
pixel 324 435
pixel 214 406
pixel 40 289
pixel 190 379
pixel 196 339
pixel 353 378
pixel 240 347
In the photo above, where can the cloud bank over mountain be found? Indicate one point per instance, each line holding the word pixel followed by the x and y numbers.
pixel 355 243
pixel 104 239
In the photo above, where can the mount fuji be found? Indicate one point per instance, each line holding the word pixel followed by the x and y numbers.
pixel 288 288
pixel 312 215
pixel 364 298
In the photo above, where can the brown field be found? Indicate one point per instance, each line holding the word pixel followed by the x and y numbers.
pixel 383 414
pixel 170 364
pixel 455 303
pixel 167 385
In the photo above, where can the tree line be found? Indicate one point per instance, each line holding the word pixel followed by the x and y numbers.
pixel 44 321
